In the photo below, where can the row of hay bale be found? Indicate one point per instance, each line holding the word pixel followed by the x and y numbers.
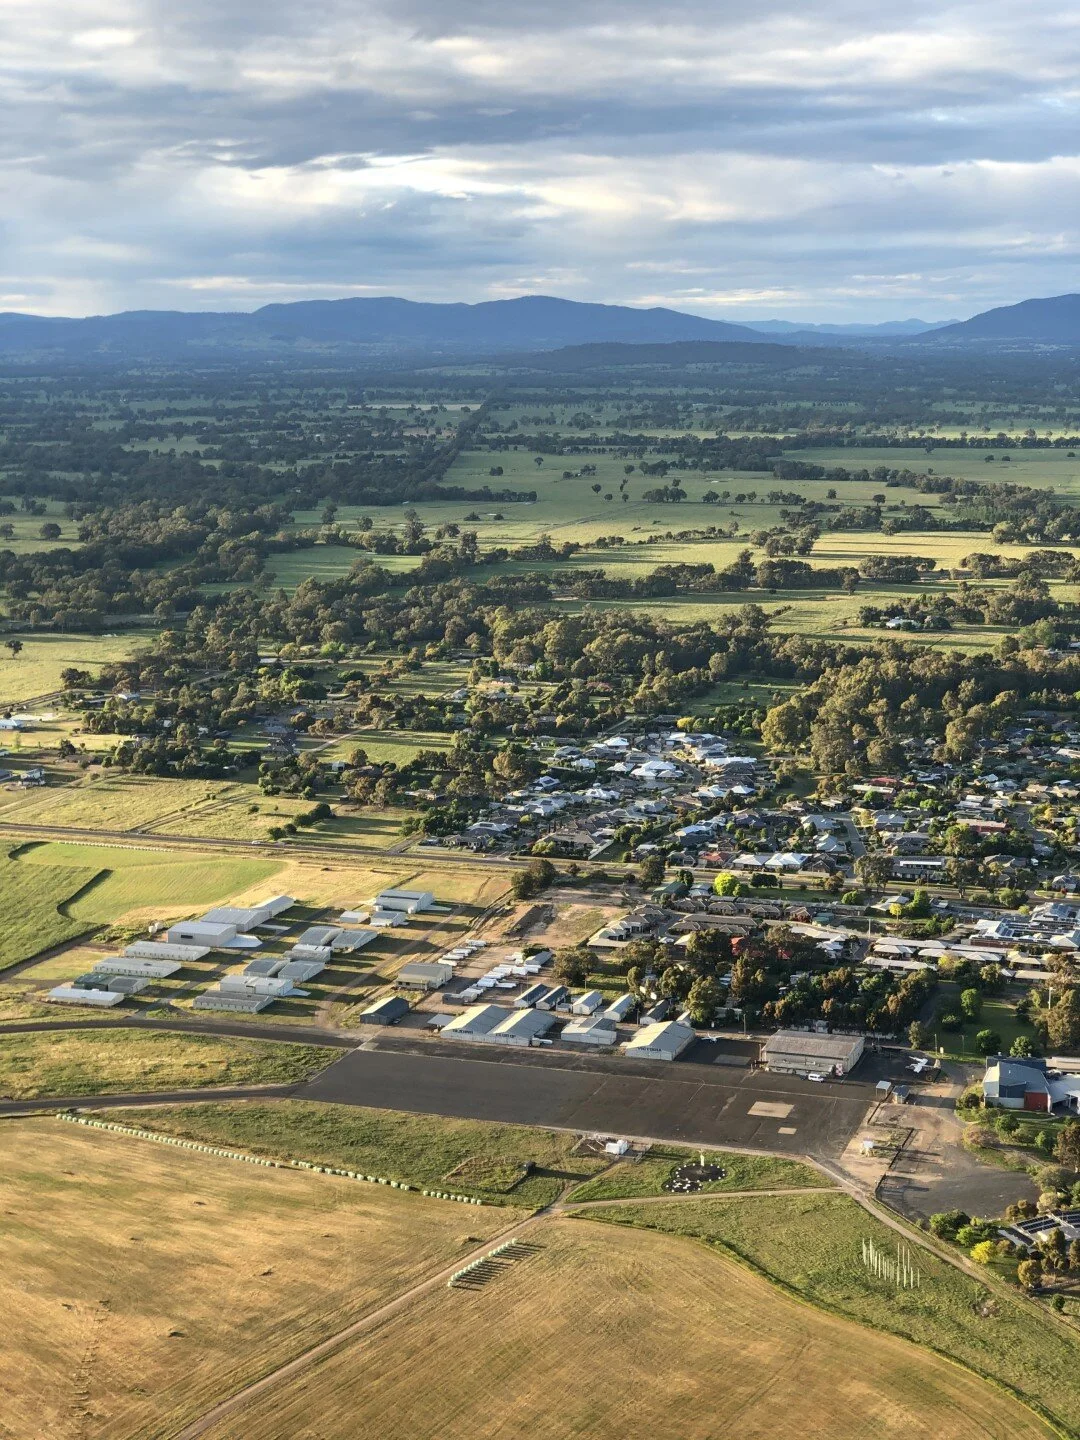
pixel 480 1262
pixel 245 1159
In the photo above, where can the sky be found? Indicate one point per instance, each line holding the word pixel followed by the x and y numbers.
pixel 829 162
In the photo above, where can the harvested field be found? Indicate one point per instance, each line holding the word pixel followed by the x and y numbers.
pixel 602 1333
pixel 141 1285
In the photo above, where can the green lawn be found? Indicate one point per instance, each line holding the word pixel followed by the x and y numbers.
pixel 997 1014
pixel 810 1245
pixel 109 1062
pixel 465 1156
pixel 631 1179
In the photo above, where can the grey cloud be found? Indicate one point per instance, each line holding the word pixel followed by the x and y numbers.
pixel 803 154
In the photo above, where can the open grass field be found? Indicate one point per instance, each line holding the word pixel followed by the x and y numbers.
pixel 467 1156
pixel 111 802
pixel 134 884
pixel 38 1064
pixel 140 1284
pixel 34 906
pixel 37 670
pixel 810 1245
pixel 1045 468
pixel 632 1178
pixel 604 1333
pixel 996 1014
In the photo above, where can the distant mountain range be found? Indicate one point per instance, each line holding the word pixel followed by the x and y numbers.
pixel 385 327
pixel 1055 321
pixel 886 329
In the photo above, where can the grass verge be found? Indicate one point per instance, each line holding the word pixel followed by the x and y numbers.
pixel 109 1062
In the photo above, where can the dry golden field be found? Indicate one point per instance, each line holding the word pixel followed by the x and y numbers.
pixel 612 1333
pixel 140 1284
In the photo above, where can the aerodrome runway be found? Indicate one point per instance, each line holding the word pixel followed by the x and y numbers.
pixel 683 1102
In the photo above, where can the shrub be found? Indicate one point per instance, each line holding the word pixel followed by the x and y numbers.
pixel 988 1042
pixel 946 1223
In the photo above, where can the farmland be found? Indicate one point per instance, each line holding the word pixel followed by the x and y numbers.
pixel 142 1284
pixel 604 1332
pixel 34 906
pixel 138 885
pixel 809 1245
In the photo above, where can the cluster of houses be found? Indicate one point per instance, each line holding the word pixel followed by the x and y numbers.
pixel 589 793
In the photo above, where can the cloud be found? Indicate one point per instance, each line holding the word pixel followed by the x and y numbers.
pixel 828 162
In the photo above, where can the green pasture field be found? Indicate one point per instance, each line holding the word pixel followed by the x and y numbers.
pixel 811 1246
pixel 397 745
pixel 36 906
pixel 103 1061
pixel 996 1014
pixel 36 671
pixel 502 1164
pixel 1043 468
pixel 27 540
pixel 123 882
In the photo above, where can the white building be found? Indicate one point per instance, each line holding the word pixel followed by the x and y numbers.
pixel 71 995
pixel 161 950
pixel 123 965
pixel 408 901
pixel 596 1030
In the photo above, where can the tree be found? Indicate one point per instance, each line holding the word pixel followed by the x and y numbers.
pixel 1063 1023
pixel 1067 1148
pixel 988 1042
pixel 1022 1048
pixel 572 966
pixel 50 531
pixel 726 884
pixel 15 646
pixel 704 999
pixel 946 1223
pixel 970 1004
pixel 874 868
pixel 652 872
pixel 984 1252
pixel 1029 1273
pixel 918 1035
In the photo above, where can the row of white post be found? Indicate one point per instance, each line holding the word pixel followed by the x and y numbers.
pixel 899 1268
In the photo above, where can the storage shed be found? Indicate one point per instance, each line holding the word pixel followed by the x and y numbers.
pixel 802 1052
pixel 409 901
pixel 587 1004
pixel 72 995
pixel 122 965
pixel 594 1030
pixel 424 975
pixel 235 1000
pixel 475 1022
pixel 619 1009
pixel 664 1041
pixel 161 950
pixel 386 1011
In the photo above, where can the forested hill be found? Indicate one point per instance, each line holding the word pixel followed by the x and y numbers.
pixel 1053 321
pixel 363 327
